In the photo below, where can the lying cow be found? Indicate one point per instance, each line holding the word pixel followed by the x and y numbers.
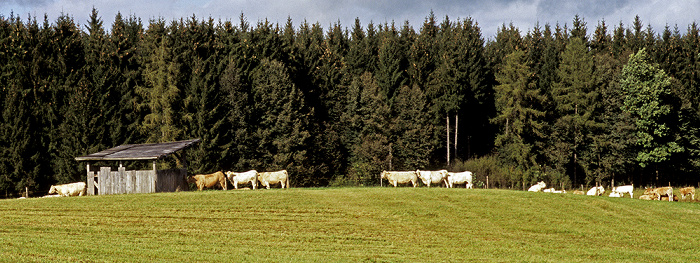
pixel 268 178
pixel 554 191
pixel 688 191
pixel 460 178
pixel 647 197
pixel 396 178
pixel 596 191
pixel 72 189
pixel 208 180
pixel 243 178
pixel 663 191
pixel 622 190
pixel 537 187
pixel 432 177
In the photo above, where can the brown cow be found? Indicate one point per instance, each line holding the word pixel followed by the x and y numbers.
pixel 660 192
pixel 208 180
pixel 688 191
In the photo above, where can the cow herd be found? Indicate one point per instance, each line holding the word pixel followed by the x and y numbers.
pixel 658 193
pixel 427 177
pixel 218 179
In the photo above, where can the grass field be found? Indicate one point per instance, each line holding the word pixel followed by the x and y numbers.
pixel 349 225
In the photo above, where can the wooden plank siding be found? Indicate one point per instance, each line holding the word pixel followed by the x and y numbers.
pixel 136 181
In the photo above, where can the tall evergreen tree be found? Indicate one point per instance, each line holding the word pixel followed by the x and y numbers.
pixel 282 123
pixel 162 96
pixel 367 128
pixel 521 122
pixel 575 104
pixel 411 131
pixel 127 53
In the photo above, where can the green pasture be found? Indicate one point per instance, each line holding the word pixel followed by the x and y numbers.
pixel 348 225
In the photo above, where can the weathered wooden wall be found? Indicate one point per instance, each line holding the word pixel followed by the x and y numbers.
pixel 106 181
pixel 171 180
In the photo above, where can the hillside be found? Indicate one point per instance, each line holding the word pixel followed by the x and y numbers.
pixel 349 225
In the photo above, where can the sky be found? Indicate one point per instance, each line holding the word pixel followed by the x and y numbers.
pixel 490 15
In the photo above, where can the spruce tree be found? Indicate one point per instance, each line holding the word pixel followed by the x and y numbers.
pixel 366 120
pixel 575 101
pixel 518 116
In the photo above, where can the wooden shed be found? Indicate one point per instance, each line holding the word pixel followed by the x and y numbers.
pixel 105 181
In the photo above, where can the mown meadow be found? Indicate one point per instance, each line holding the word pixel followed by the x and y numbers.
pixel 370 224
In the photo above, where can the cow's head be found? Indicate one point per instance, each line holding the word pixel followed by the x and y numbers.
pixel 53 190
pixel 383 175
pixel 191 179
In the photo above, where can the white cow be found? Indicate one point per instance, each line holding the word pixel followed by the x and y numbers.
pixel 597 191
pixel 537 187
pixel 460 178
pixel 552 190
pixel 72 189
pixel 267 178
pixel 243 178
pixel 432 177
pixel 396 178
pixel 622 190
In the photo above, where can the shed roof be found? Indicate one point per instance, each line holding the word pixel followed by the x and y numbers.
pixel 133 152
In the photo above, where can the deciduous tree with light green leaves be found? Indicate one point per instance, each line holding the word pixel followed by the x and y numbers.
pixel 647 90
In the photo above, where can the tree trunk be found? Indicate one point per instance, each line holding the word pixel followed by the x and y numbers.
pixel 447 128
pixel 456 127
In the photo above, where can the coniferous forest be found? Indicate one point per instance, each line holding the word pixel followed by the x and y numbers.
pixel 573 104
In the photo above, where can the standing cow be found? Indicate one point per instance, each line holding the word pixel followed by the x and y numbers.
pixel 432 177
pixel 243 178
pixel 208 180
pixel 690 190
pixel 396 178
pixel 268 178
pixel 620 191
pixel 460 178
pixel 72 189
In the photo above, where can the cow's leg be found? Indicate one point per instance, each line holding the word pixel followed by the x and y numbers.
pixel 235 185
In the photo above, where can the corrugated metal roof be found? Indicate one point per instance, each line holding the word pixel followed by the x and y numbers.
pixel 131 152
